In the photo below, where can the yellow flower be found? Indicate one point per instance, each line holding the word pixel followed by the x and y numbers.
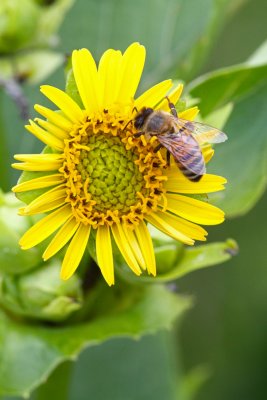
pixel 103 178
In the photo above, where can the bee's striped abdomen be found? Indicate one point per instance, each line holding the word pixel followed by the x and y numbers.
pixel 187 154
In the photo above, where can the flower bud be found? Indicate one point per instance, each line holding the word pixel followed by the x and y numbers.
pixel 41 293
pixel 19 21
pixel 13 259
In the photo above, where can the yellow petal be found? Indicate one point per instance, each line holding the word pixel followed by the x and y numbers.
pixel 39 183
pixel 47 166
pixel 64 102
pixel 131 70
pixel 173 98
pixel 55 117
pixel 39 158
pixel 75 252
pixel 43 206
pixel 207 152
pixel 38 162
pixel 170 225
pixel 208 183
pixel 104 254
pixel 146 246
pixel 45 227
pixel 187 228
pixel 51 128
pixel 189 114
pixel 61 238
pixel 109 76
pixel 125 248
pixel 86 78
pixel 133 243
pixel 154 95
pixel 194 210
pixel 45 136
pixel 47 201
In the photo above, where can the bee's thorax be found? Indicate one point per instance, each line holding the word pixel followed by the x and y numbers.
pixel 158 123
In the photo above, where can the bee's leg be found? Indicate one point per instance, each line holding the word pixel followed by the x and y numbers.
pixel 172 108
pixel 138 134
pixel 168 158
pixel 157 148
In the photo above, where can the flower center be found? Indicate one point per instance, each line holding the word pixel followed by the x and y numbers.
pixel 111 176
pixel 114 178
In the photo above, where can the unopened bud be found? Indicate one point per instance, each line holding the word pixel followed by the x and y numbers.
pixel 41 293
pixel 13 259
pixel 19 21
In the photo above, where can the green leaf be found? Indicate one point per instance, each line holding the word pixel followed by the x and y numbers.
pixel 29 352
pixel 203 256
pixel 246 155
pixel 259 56
pixel 174 44
pixel 173 262
pixel 216 89
pixel 243 158
pixel 193 382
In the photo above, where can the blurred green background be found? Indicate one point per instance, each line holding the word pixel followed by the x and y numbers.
pixel 226 330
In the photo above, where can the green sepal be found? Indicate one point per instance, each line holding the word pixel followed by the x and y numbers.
pixel 72 89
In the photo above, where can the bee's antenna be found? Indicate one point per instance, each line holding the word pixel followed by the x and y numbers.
pixel 134 109
pixel 172 107
pixel 127 125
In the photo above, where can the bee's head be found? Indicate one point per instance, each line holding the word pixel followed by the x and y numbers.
pixel 141 117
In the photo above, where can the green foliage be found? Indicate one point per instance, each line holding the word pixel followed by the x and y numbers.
pixel 16 28
pixel 175 261
pixel 174 45
pixel 41 294
pixel 32 66
pixel 193 381
pixel 243 87
pixel 26 24
pixel 232 98
pixel 13 259
pixel 29 351
pixel 27 30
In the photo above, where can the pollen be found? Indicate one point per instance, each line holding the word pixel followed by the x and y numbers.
pixel 111 176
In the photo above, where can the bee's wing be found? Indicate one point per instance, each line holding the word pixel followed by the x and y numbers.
pixel 186 152
pixel 202 132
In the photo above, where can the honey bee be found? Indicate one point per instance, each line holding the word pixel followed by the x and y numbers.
pixel 180 137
